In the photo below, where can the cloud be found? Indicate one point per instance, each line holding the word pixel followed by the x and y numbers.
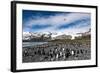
pixel 76 24
pixel 64 22
pixel 58 19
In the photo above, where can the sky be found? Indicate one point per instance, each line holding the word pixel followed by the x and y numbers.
pixel 56 22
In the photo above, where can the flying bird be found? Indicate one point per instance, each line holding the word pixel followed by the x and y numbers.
pixel 64 19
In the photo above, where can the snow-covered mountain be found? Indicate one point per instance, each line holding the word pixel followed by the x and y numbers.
pixel 32 35
pixel 52 36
